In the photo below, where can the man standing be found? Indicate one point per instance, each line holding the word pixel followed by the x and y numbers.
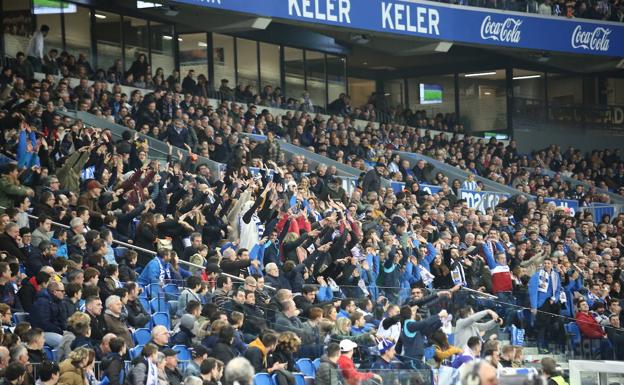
pixel 35 51
pixel 545 295
pixel 387 353
pixel 157 270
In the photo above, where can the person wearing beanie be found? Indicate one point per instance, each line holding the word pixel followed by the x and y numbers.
pixel 90 198
pixel 387 352
pixel 185 335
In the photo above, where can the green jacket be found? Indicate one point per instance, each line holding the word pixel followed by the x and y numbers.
pixel 69 174
pixel 9 191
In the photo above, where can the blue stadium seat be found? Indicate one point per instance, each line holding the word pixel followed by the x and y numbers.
pixel 154 290
pixel 20 317
pixel 161 318
pixel 159 305
pixel 306 367
pixel 119 251
pixel 172 289
pixel 56 354
pixel 262 379
pixel 173 307
pixel 274 379
pixel 316 363
pixel 145 302
pixel 141 336
pixel 184 354
pixel 135 352
pixel 48 352
pixel 299 379
pixel 451 338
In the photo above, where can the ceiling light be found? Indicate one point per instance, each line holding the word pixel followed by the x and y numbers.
pixel 487 93
pixel 202 44
pixel 180 39
pixel 480 74
pixel 167 37
pixel 526 77
pixel 100 16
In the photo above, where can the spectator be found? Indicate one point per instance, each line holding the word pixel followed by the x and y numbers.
pixel 74 368
pixel 328 372
pixel 114 323
pixel 345 362
pixel 113 366
pixel 238 371
pixel 199 354
pixel 47 313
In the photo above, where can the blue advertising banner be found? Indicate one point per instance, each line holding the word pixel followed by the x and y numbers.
pixel 425 19
pixel 482 200
pixel 431 189
pixel 568 203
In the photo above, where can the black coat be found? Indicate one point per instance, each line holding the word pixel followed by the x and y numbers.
pixel 223 352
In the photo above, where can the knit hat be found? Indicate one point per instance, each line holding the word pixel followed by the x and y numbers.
pixel 188 321
pixel 384 345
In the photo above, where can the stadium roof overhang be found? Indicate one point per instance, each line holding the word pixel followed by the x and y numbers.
pixel 425 37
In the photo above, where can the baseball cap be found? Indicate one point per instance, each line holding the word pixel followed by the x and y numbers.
pixel 347 346
pixel 170 352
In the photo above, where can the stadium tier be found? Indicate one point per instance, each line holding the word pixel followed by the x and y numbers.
pixel 306 192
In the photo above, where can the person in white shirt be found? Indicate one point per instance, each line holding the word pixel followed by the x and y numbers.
pixel 35 52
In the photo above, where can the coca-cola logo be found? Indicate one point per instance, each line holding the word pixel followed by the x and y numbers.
pixel 593 40
pixel 507 31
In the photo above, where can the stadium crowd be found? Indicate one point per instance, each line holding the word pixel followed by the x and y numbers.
pixel 283 263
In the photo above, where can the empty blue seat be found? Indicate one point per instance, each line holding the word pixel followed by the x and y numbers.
pixel 173 307
pixel 48 352
pixel 161 318
pixel 262 379
pixel 299 379
pixel 135 351
pixel 154 290
pixel 20 317
pixel 142 336
pixel 159 305
pixel 172 289
pixel 306 367
pixel 184 354
pixel 316 363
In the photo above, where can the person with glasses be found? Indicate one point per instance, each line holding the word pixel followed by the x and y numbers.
pixel 47 313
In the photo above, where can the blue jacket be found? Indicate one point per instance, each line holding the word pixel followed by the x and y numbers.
pixel 26 159
pixel 537 297
pixel 570 288
pixel 47 314
pixel 151 272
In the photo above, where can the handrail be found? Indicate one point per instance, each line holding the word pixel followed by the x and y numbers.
pixel 152 252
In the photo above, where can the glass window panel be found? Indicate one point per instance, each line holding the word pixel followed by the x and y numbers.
pixel 360 91
pixel 394 91
pixel 483 101
pixel 194 54
pixel 136 46
pixel 18 23
pixel 294 72
pixel 270 65
pixel 315 71
pixel 78 34
pixel 108 39
pixel 336 76
pixel 223 58
pixel 429 111
pixel 162 48
pixel 54 39
pixel 565 89
pixel 528 93
pixel 247 62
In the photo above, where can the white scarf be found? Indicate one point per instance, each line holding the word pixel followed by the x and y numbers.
pixel 545 279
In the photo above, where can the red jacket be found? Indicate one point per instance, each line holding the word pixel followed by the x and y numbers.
pixel 350 373
pixel 588 325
